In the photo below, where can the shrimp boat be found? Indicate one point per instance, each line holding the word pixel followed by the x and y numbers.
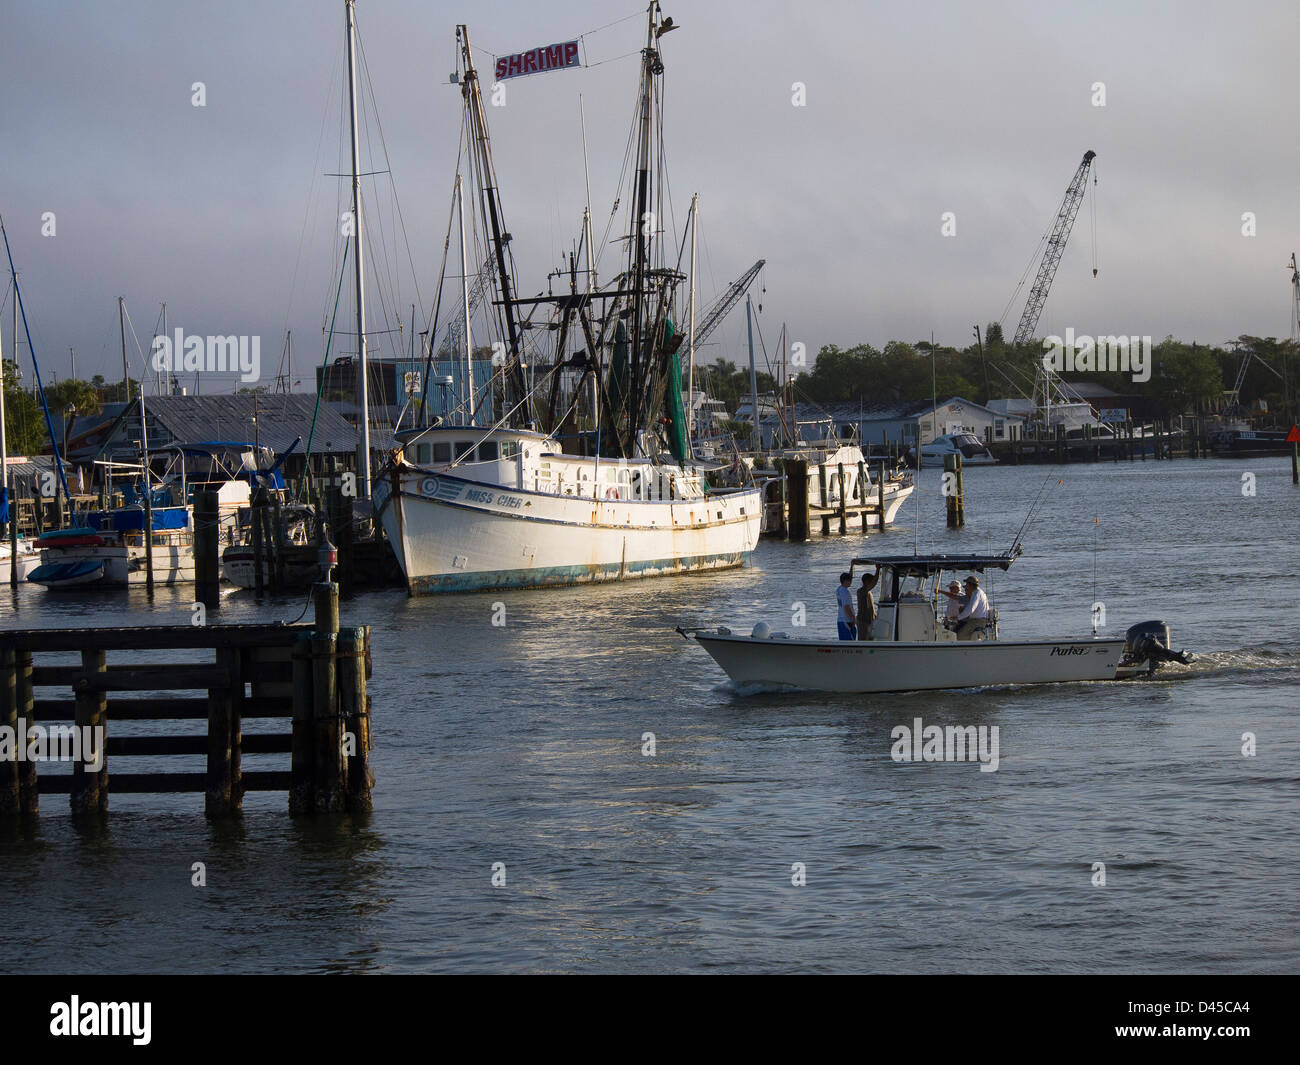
pixel 911 650
pixel 589 474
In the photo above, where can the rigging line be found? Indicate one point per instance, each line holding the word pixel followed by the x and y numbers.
pixel 311 433
pixel 432 325
pixel 312 192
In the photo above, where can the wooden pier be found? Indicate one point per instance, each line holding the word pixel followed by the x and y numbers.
pixel 311 677
pixel 792 515
pixel 1125 443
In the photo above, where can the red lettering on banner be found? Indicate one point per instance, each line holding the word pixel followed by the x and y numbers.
pixel 530 62
pixel 553 57
pixel 570 53
pixel 502 67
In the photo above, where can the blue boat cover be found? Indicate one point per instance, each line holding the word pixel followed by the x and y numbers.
pixel 132 520
pixel 54 573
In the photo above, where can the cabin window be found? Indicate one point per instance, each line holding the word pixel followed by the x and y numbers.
pixel 422 452
pixel 487 451
pixel 442 452
pixel 509 449
pixel 464 447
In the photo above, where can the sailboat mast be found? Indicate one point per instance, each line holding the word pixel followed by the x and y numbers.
pixel 363 388
pixel 487 171
pixel 464 292
pixel 690 387
pixel 642 230
pixel 126 373
pixel 753 376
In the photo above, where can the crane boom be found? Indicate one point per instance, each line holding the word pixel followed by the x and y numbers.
pixel 1055 249
pixel 714 315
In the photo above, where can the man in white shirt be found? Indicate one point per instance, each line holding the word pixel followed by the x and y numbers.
pixel 846 620
pixel 974 615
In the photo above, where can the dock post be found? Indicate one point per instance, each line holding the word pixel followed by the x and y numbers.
pixel 258 541
pixel 217 800
pixel 354 708
pixel 844 504
pixel 10 804
pixel 302 785
pixel 90 789
pixel 796 475
pixel 13 543
pixel 207 561
pixel 880 493
pixel 327 734
pixel 953 489
pixel 1295 462
pixel 825 498
pixel 862 494
pixel 29 798
pixel 329 769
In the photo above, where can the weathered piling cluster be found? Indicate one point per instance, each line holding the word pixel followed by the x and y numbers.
pixel 792 515
pixel 310 676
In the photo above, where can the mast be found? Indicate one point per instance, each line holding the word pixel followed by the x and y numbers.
pixel 144 452
pixel 753 377
pixel 586 216
pixel 364 390
pixel 126 375
pixel 491 204
pixel 39 388
pixel 464 292
pixel 641 222
pixel 690 387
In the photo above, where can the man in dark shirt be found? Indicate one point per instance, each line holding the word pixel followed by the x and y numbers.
pixel 867 604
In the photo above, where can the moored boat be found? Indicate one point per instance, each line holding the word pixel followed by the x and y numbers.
pixel 911 649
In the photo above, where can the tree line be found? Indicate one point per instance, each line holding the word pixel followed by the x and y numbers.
pixel 1186 378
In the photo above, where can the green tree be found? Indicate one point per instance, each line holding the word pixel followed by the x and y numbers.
pixel 24 426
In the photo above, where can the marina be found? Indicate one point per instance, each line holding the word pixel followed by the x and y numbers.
pixel 623 553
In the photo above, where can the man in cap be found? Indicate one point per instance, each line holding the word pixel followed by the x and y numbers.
pixel 955 602
pixel 975 614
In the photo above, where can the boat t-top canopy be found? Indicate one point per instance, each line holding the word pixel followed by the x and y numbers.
pixel 928 565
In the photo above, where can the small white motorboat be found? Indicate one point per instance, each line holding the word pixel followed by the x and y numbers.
pixel 911 649
pixel 967 445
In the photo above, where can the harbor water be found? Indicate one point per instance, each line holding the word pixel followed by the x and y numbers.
pixel 566 784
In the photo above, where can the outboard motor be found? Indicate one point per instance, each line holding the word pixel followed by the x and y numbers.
pixel 1149 642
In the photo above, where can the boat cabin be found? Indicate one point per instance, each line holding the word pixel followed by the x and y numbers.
pixel 533 462
pixel 909 608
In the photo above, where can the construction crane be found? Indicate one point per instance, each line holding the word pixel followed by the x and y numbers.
pixel 1054 250
pixel 714 315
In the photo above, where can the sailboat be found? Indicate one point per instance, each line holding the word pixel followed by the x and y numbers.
pixel 588 475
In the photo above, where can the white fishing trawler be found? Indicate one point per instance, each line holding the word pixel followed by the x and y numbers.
pixel 511 510
pixel 911 649
pixel 589 474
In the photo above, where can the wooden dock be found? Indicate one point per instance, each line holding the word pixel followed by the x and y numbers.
pixel 792 515
pixel 311 677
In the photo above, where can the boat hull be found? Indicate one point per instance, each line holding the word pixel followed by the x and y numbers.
pixel 456 535
pixel 119 567
pixel 870 666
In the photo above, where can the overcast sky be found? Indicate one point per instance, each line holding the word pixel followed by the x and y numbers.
pixel 912 109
